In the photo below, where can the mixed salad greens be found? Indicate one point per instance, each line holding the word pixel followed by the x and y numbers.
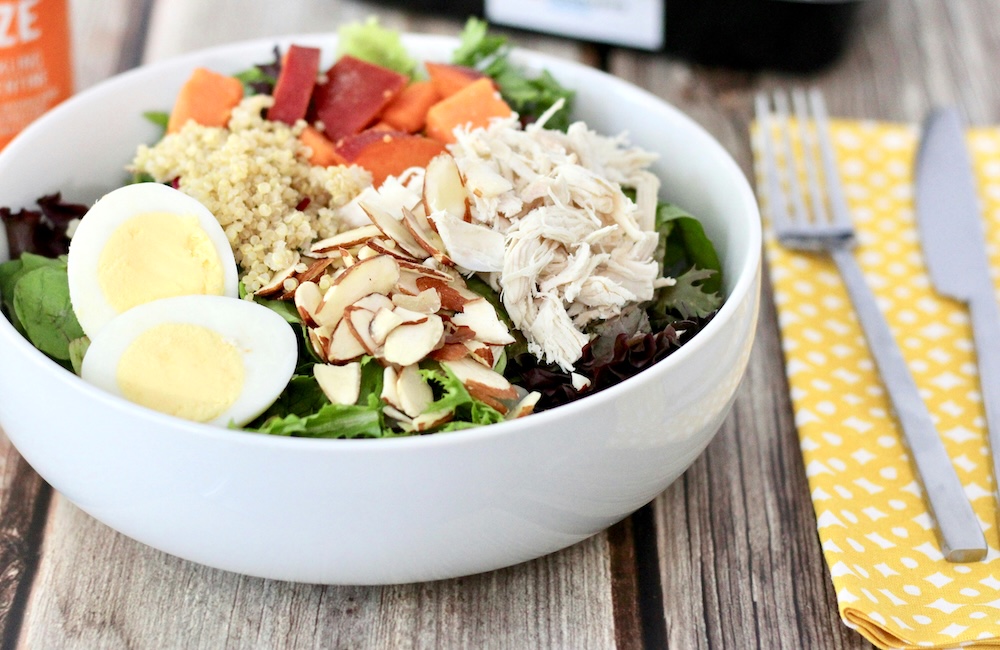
pixel 35 297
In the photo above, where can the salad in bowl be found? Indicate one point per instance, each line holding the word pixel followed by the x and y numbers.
pixel 431 245
pixel 483 278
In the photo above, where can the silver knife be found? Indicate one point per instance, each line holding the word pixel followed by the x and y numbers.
pixel 954 244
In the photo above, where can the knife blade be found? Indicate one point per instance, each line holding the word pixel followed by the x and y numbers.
pixel 954 244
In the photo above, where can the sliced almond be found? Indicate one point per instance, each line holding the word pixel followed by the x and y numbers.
pixel 487 398
pixel 344 346
pixel 346 257
pixel 375 275
pixel 410 274
pixel 444 189
pixel 359 321
pixel 308 298
pixel 471 246
pixel 394 413
pixel 366 252
pixel 451 298
pixel 450 352
pixel 384 322
pixel 409 316
pixel 579 381
pixel 526 406
pixel 427 302
pixel 480 380
pixel 389 380
pixel 346 239
pixel 276 286
pixel 456 334
pixel 319 338
pixel 389 248
pixel 481 317
pixel 341 384
pixel 426 237
pixel 408 344
pixel 427 272
pixel 415 394
pixel 374 302
pixel 407 284
pixel 315 269
pixel 427 421
pixel 394 229
pixel 481 352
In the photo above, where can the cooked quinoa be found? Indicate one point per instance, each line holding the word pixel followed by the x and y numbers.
pixel 254 176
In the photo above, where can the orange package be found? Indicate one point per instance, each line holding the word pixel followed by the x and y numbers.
pixel 36 72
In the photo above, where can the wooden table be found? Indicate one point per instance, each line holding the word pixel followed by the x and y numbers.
pixel 727 557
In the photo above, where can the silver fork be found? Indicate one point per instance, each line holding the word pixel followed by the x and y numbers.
pixel 816 228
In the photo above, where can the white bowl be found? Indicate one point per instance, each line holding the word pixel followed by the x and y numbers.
pixel 376 511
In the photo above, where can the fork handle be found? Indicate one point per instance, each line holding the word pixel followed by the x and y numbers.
pixel 960 534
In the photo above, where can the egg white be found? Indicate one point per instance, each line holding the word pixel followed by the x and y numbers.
pixel 92 308
pixel 265 340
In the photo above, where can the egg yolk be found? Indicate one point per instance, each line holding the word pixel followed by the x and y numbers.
pixel 158 255
pixel 185 370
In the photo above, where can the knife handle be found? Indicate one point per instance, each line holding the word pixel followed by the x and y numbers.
pixel 959 532
pixel 984 311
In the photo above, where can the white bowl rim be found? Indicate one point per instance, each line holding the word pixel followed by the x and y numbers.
pixel 746 278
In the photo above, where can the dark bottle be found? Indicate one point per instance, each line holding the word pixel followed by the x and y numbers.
pixel 787 35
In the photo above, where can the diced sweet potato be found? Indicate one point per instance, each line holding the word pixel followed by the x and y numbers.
pixel 388 153
pixel 324 152
pixel 207 97
pixel 408 111
pixel 475 105
pixel 449 78
pixel 295 84
pixel 354 95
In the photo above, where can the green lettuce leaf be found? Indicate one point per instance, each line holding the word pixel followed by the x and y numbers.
pixel 303 409
pixel 330 421
pixel 469 412
pixel 528 96
pixel 684 245
pixel 77 349
pixel 371 42
pixel 476 44
pixel 688 256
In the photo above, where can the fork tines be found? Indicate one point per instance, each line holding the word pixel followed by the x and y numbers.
pixel 793 149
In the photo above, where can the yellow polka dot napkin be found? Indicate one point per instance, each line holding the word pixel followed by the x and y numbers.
pixel 892 583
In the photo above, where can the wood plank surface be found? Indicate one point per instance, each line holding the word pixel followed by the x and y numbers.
pixel 727 557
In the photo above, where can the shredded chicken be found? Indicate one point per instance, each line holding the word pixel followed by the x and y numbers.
pixel 576 248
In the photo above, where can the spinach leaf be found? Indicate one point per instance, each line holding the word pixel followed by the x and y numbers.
pixel 41 302
pixel 12 271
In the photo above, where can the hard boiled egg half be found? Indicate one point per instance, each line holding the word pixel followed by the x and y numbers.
pixel 209 359
pixel 144 242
